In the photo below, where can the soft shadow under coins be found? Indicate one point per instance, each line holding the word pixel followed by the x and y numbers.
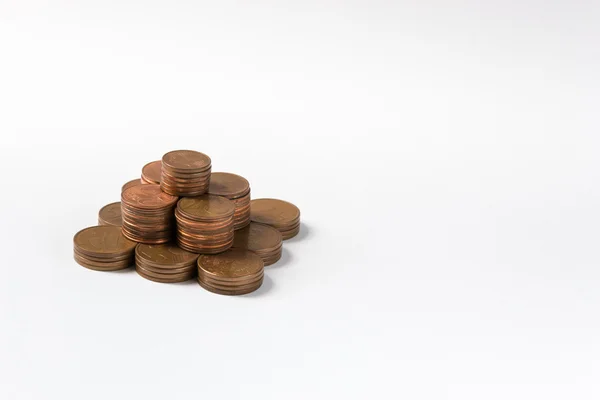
pixel 305 231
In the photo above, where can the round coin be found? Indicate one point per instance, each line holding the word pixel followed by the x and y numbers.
pixel 186 160
pixel 110 214
pixel 232 264
pixel 277 213
pixel 103 240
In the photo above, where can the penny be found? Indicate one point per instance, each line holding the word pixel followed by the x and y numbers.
pixel 228 185
pixel 147 197
pixel 104 265
pixel 243 286
pixel 151 172
pixel 180 277
pixel 206 207
pixel 277 213
pixel 262 239
pixel 163 280
pixel 186 160
pixel 110 214
pixel 168 256
pixel 235 263
pixel 228 292
pixel 133 182
pixel 103 241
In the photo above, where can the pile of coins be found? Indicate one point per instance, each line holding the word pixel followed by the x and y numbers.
pixel 165 263
pixel 205 224
pixel 185 173
pixel 103 248
pixel 147 214
pixel 179 209
pixel 279 214
pixel 263 240
pixel 233 273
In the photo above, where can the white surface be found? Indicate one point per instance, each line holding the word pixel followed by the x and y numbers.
pixel 444 157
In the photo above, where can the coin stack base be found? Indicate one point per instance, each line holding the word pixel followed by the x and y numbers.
pixel 165 263
pixel 103 248
pixel 232 273
pixel 185 173
pixel 263 240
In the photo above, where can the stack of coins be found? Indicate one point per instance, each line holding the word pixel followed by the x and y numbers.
pixel 281 215
pixel 234 272
pixel 236 189
pixel 205 224
pixel 103 248
pixel 165 263
pixel 262 239
pixel 110 214
pixel 147 214
pixel 151 173
pixel 185 173
pixel 133 182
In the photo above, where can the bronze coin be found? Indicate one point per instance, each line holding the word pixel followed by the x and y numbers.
pixel 151 172
pixel 206 207
pixel 110 214
pixel 131 183
pixel 147 197
pixel 183 275
pixel 128 256
pixel 167 256
pixel 257 237
pixel 230 286
pixel 229 292
pixel 277 213
pixel 234 263
pixel 109 265
pixel 237 281
pixel 163 279
pixel 186 160
pixel 102 241
pixel 228 185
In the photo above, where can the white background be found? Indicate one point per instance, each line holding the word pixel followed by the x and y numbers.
pixel 444 156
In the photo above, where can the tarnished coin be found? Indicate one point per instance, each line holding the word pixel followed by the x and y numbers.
pixel 133 182
pixel 151 172
pixel 277 213
pixel 101 241
pixel 110 214
pixel 167 256
pixel 147 197
pixel 228 185
pixel 186 160
pixel 232 264
pixel 206 207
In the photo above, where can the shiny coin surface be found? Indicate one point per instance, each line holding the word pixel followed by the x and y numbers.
pixel 147 197
pixel 232 264
pixel 228 185
pixel 167 256
pixel 186 160
pixel 103 241
pixel 206 207
pixel 131 183
pixel 151 172
pixel 277 213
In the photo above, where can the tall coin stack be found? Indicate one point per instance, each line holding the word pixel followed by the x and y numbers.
pixel 147 214
pixel 185 173
pixel 234 272
pixel 236 189
pixel 205 224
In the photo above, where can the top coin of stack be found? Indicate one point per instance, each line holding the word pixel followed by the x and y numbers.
pixel 185 173
pixel 236 189
pixel 283 216
pixel 110 214
pixel 151 172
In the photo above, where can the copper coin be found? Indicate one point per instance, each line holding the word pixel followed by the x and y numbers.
pixel 235 263
pixel 237 281
pixel 110 214
pixel 106 265
pixel 229 286
pixel 183 276
pixel 186 160
pixel 206 207
pixel 147 197
pixel 277 213
pixel 167 256
pixel 163 279
pixel 257 237
pixel 229 292
pixel 128 256
pixel 151 172
pixel 102 241
pixel 228 185
pixel 131 183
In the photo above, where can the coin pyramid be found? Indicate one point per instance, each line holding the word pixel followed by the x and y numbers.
pixel 181 221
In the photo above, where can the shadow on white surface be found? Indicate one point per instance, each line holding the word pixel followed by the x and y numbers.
pixel 266 286
pixel 284 261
